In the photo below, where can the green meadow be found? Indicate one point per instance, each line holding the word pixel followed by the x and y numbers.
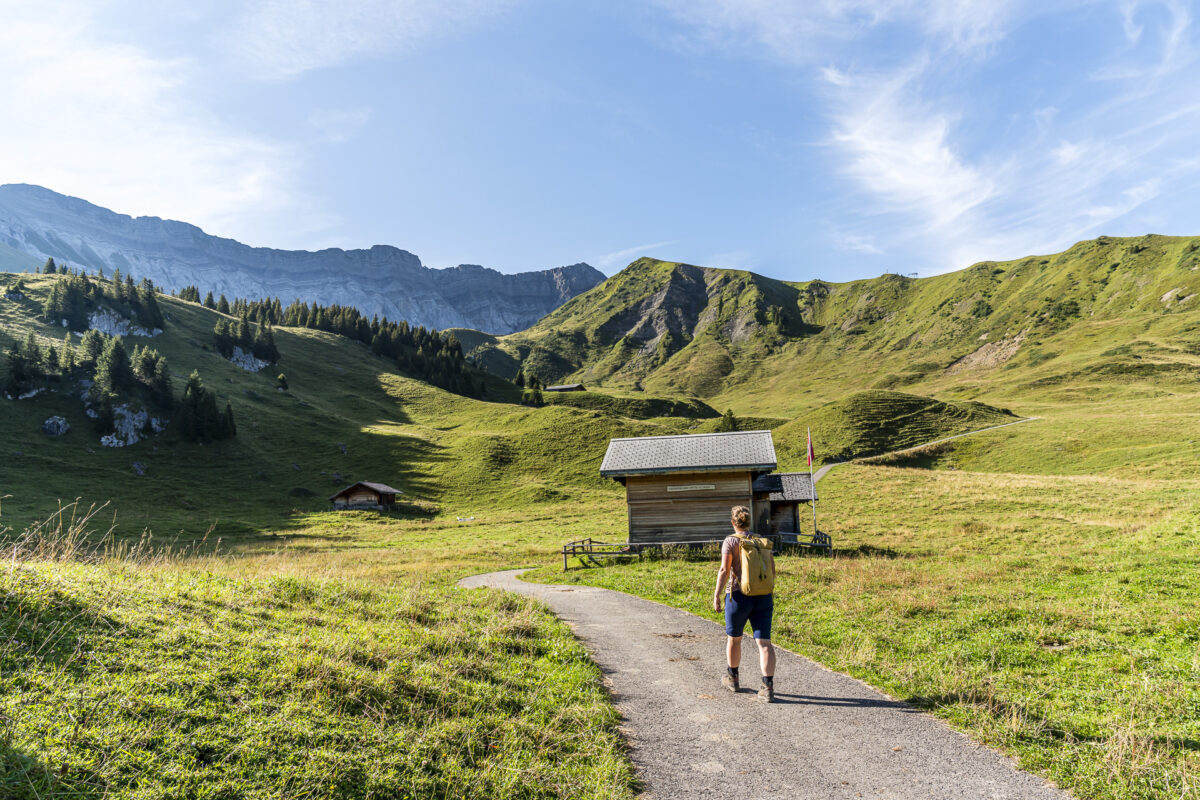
pixel 214 630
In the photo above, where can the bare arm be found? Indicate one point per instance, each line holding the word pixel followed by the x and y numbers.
pixel 722 577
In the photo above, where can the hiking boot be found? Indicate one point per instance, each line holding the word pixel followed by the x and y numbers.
pixel 730 682
pixel 767 694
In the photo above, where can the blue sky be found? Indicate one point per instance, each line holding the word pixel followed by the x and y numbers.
pixel 830 138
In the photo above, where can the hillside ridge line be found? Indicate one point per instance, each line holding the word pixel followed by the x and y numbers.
pixel 821 472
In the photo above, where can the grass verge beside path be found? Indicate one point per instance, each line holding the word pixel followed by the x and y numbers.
pixel 1057 618
pixel 245 677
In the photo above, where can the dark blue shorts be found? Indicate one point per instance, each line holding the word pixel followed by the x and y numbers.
pixel 758 610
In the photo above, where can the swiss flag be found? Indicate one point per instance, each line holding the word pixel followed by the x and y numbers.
pixel 811 456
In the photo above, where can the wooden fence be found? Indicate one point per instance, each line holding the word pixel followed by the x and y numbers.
pixel 592 551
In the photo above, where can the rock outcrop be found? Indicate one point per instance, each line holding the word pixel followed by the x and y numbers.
pixel 382 280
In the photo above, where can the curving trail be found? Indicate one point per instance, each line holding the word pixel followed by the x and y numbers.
pixel 821 472
pixel 827 736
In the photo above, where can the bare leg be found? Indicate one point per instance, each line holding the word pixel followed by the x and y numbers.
pixel 766 657
pixel 733 652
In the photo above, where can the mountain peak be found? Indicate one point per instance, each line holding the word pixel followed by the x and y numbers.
pixel 38 223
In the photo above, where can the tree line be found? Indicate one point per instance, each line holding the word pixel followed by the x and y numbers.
pixel 118 375
pixel 429 355
pixel 74 296
pixel 261 344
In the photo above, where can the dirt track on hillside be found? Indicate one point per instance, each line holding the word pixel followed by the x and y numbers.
pixel 827 736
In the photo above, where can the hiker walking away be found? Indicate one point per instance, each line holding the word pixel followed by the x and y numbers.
pixel 747 559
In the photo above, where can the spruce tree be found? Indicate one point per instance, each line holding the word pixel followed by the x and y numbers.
pixel 50 268
pixel 223 305
pixel 32 352
pixel 92 346
pixel 18 375
pixel 113 371
pixel 209 302
pixel 160 384
pixel 242 334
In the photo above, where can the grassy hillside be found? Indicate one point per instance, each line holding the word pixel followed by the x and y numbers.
pixel 867 423
pixel 348 415
pixel 1109 321
pixel 674 328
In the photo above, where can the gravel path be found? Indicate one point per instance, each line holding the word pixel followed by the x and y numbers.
pixel 827 736
pixel 821 472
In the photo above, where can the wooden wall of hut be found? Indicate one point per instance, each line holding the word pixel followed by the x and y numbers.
pixel 684 506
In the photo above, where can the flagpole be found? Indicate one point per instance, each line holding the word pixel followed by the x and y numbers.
pixel 812 484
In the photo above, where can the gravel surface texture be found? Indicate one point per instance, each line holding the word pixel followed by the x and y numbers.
pixel 826 736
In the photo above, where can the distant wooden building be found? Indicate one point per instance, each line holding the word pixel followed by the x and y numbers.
pixel 566 387
pixel 777 499
pixel 364 494
pixel 681 488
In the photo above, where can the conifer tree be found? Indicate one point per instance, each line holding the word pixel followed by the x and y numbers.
pixel 209 302
pixel 92 346
pixel 160 384
pixel 49 268
pixel 223 305
pixel 113 371
pixel 18 374
pixel 242 334
pixel 32 352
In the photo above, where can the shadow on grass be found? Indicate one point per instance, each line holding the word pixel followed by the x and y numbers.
pixel 53 634
pixel 23 777
pixel 869 551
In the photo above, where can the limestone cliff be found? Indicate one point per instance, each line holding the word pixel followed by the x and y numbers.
pixel 382 280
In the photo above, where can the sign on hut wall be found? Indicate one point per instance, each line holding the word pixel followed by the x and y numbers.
pixel 692 487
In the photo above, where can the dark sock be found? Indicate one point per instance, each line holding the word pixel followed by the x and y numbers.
pixel 769 680
pixel 733 672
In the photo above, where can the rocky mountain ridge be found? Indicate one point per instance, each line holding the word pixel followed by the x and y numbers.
pixel 36 223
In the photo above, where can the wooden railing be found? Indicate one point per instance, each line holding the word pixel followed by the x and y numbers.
pixel 596 552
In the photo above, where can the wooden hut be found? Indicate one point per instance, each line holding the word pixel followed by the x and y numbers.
pixel 681 488
pixel 777 499
pixel 364 494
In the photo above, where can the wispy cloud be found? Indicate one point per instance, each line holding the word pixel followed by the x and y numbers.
pixel 855 242
pixel 336 125
pixel 619 258
pixel 113 123
pixel 902 129
pixel 812 32
pixel 283 38
pixel 899 150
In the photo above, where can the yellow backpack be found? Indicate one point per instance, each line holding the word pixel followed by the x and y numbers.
pixel 757 576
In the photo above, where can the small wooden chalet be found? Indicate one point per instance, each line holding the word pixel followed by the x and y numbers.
pixel 681 488
pixel 566 387
pixel 777 499
pixel 364 494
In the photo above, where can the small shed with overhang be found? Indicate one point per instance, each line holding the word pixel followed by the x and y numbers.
pixel 681 488
pixel 365 495
pixel 777 499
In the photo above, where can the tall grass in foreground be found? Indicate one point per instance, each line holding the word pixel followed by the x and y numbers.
pixel 132 671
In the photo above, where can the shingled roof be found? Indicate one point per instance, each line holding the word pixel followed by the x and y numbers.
pixel 786 486
pixel 382 488
pixel 701 452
